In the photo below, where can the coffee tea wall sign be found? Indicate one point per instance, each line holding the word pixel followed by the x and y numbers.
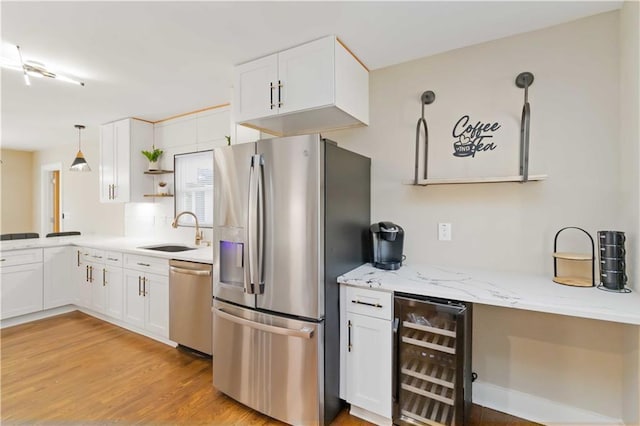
pixel 474 139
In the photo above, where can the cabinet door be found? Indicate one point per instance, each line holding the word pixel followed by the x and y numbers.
pixel 306 74
pixel 113 281
pixel 134 301
pixel 97 290
pixel 107 162
pixel 84 284
pixel 59 276
pixel 255 89
pixel 122 138
pixel 369 363
pixel 21 290
pixel 156 293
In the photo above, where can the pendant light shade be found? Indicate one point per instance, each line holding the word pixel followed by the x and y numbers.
pixel 79 163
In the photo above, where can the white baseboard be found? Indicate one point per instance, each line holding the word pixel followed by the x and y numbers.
pixel 535 408
pixel 369 416
pixel 23 319
pixel 127 326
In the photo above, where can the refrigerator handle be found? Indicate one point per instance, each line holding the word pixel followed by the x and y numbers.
pixel 261 225
pixel 304 332
pixel 251 231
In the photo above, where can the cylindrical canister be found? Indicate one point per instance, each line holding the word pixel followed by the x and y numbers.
pixel 612 260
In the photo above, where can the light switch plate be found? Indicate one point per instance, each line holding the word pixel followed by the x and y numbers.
pixel 444 231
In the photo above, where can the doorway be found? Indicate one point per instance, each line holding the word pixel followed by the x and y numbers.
pixel 50 200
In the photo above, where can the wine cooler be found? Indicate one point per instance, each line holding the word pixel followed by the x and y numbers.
pixel 432 361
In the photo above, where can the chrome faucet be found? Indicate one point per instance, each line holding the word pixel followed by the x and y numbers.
pixel 199 233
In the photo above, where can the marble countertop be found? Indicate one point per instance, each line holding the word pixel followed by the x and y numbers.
pixel 507 289
pixel 201 254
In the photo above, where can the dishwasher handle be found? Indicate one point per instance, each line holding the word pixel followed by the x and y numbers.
pixel 196 272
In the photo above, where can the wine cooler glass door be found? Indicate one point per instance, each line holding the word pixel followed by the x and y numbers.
pixel 429 371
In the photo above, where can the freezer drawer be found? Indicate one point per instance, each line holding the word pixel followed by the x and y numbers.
pixel 270 363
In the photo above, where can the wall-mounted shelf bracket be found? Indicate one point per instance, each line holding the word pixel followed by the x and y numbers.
pixel 427 98
pixel 523 81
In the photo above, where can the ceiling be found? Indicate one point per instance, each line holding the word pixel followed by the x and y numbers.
pixel 153 60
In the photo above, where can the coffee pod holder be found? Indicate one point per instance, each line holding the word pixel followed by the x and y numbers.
pixel 575 281
pixel 612 262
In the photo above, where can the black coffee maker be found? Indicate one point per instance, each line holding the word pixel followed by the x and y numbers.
pixel 387 239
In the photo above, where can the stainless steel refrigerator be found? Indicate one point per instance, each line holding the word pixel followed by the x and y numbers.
pixel 290 215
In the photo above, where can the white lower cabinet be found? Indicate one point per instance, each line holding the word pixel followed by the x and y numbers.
pixel 21 289
pixel 146 301
pixel 99 280
pixel 112 277
pixel 59 276
pixel 369 365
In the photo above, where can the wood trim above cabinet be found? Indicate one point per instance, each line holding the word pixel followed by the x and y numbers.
pixel 352 54
pixel 184 114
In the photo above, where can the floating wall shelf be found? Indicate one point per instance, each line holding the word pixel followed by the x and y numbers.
pixel 523 81
pixel 157 172
pixel 158 195
pixel 492 179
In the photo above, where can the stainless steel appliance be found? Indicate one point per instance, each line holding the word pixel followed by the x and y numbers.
pixel 190 292
pixel 387 239
pixel 432 350
pixel 291 214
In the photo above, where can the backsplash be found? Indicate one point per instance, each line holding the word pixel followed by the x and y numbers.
pixel 153 221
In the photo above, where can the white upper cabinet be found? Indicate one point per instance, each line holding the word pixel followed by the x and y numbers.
pixel 310 88
pixel 121 162
pixel 255 95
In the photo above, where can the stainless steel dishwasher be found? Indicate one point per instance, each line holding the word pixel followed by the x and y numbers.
pixel 190 296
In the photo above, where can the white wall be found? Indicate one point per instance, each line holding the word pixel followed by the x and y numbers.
pixel 630 188
pixel 575 139
pixel 80 198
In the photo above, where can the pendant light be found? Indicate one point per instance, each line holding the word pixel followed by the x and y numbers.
pixel 79 163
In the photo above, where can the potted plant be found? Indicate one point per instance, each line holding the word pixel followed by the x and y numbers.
pixel 153 157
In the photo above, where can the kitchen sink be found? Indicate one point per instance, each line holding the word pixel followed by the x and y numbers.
pixel 172 248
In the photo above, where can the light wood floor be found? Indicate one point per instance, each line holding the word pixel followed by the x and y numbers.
pixel 74 369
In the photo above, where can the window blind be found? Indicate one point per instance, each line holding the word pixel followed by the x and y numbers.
pixel 194 187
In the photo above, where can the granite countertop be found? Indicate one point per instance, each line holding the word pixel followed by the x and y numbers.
pixel 202 254
pixel 508 289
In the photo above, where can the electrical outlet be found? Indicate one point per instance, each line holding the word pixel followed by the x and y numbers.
pixel 444 231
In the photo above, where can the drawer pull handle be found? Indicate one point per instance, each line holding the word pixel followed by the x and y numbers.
pixel 375 305
pixel 143 264
pixel 2 260
pixel 113 259
pixel 349 346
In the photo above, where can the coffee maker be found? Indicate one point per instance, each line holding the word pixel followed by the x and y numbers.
pixel 387 239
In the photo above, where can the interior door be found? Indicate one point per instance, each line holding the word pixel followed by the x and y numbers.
pixel 293 171
pixel 231 172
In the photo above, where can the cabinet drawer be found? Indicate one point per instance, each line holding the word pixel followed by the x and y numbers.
pixel 155 265
pixel 20 257
pixel 378 304
pixel 86 254
pixel 113 258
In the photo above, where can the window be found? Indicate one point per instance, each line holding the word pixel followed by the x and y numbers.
pixel 193 174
